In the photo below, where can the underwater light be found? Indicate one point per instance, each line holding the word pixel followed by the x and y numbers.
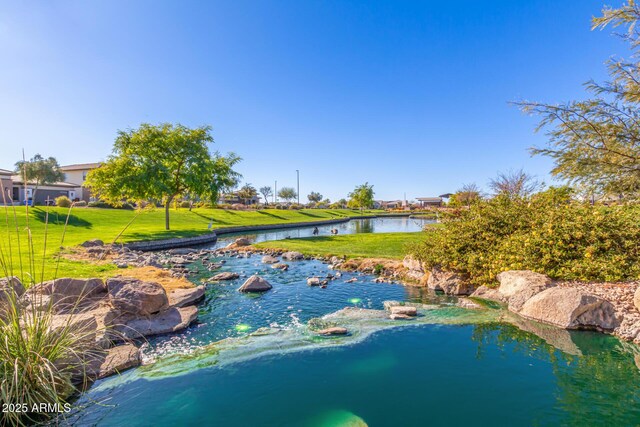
pixel 242 327
pixel 355 300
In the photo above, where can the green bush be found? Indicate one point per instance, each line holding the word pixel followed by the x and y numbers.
pixel 295 206
pixel 63 202
pixel 105 205
pixel 547 233
pixel 185 204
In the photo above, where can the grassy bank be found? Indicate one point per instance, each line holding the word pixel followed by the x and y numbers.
pixel 106 224
pixel 368 245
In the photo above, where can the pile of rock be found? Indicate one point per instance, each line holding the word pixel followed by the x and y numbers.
pixel 401 311
pixel 114 314
pixel 536 297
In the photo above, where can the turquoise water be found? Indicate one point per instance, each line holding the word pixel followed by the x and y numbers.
pixel 253 361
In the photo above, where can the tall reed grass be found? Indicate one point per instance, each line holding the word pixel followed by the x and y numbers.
pixel 42 357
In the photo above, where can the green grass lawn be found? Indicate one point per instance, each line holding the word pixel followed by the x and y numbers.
pixel 106 224
pixel 366 245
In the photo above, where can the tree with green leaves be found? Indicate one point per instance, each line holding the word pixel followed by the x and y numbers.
pixel 314 197
pixel 247 192
pixel 162 162
pixel 362 197
pixel 287 193
pixel 266 192
pixel 39 171
pixel 595 143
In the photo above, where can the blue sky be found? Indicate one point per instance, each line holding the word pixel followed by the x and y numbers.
pixel 411 96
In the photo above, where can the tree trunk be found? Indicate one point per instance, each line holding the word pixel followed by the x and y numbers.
pixel 166 211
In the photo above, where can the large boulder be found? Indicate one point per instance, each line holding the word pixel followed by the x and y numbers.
pixel 134 296
pixel 292 256
pixel 449 282
pixel 71 291
pixel 186 297
pixel 255 283
pixel 114 361
pixel 335 330
pixel 166 322
pixel 238 243
pixel 414 268
pixel 517 286
pixel 570 308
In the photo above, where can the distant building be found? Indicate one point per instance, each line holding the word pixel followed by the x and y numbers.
pixel 6 186
pixel 233 198
pixel 16 191
pixel 77 174
pixel 429 202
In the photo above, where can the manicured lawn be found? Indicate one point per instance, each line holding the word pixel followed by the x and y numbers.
pixel 105 224
pixel 367 245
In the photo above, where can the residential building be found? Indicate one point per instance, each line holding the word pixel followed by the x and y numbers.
pixel 233 198
pixel 6 186
pixel 429 202
pixel 77 174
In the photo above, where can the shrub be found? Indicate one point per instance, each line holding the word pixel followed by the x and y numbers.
pixel 185 204
pixel 295 206
pixel 80 203
pixel 99 204
pixel 547 233
pixel 63 202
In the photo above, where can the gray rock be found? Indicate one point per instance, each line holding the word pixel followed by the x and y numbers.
pixel 268 259
pixel 292 256
pixel 114 361
pixel 449 282
pixel 11 290
pixel 336 330
pixel 404 310
pixel 182 251
pixel 400 316
pixel 135 296
pixel 517 286
pixel 280 266
pixel 92 243
pixel 227 275
pixel 468 304
pixel 239 242
pixel 70 290
pixel 570 308
pixel 186 297
pixel 313 281
pixel 166 322
pixel 255 283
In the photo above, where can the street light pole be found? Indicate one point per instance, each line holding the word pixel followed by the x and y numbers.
pixel 298 179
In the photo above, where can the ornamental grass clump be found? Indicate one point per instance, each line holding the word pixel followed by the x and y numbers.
pixel 43 355
pixel 547 233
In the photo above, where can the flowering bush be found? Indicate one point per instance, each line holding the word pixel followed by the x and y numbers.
pixel 547 233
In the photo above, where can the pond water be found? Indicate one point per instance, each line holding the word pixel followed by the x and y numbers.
pixel 354 226
pixel 252 361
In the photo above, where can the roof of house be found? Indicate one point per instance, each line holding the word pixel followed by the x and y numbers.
pixel 5 172
pixel 18 180
pixel 429 199
pixel 80 166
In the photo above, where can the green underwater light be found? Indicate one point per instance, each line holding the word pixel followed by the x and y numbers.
pixel 242 327
pixel 354 300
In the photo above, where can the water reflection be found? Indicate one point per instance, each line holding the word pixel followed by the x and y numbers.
pixel 355 226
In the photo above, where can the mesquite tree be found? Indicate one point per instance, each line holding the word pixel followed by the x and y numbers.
pixel 162 162
pixel 595 143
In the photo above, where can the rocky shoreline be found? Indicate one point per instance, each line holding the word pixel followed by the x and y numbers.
pixel 121 311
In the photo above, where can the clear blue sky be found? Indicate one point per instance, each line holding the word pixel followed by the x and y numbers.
pixel 411 96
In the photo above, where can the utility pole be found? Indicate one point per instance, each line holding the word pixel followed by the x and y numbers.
pixel 298 179
pixel 275 193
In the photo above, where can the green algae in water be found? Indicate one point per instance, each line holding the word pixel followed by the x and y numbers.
pixel 337 418
pixel 242 327
pixel 355 301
